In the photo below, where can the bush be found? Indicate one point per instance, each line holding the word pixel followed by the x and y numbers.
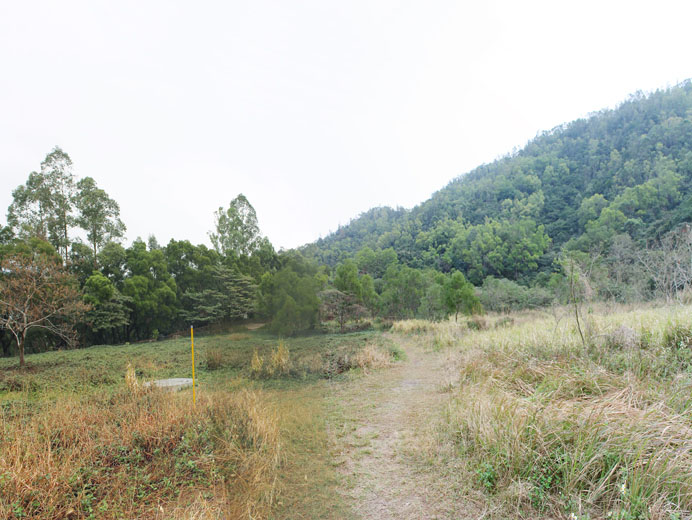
pixel 477 323
pixel 506 321
pixel 502 295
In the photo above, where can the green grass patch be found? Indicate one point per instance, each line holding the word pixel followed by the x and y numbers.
pixel 78 442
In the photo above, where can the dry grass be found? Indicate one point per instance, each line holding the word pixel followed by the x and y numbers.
pixel 277 364
pixel 549 427
pixel 241 336
pixel 413 326
pixel 139 454
pixel 213 358
pixel 372 356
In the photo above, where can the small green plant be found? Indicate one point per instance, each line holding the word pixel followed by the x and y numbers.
pixel 487 476
pixel 397 353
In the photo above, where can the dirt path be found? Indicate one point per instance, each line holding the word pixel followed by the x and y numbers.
pixel 383 431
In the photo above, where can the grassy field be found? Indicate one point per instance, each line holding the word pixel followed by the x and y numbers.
pixel 499 416
pixel 80 436
pixel 543 425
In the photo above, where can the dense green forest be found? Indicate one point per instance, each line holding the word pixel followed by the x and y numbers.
pixel 603 200
pixel 611 186
pixel 66 280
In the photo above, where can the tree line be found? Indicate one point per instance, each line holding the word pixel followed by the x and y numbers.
pixel 67 280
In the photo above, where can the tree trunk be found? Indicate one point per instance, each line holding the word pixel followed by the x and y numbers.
pixel 20 346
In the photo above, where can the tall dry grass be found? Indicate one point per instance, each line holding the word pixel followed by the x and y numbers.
pixel 139 454
pixel 548 426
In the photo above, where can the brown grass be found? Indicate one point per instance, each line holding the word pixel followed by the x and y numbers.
pixel 413 326
pixel 548 428
pixel 213 358
pixel 277 364
pixel 372 356
pixel 240 336
pixel 139 454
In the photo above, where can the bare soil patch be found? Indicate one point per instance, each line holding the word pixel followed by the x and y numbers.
pixel 384 428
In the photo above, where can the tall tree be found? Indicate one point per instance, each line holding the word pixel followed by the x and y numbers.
pixel 152 291
pixel 99 215
pixel 44 206
pixel 289 298
pixel 230 295
pixel 57 167
pixel 38 293
pixel 460 296
pixel 346 279
pixel 31 208
pixel 109 314
pixel 237 231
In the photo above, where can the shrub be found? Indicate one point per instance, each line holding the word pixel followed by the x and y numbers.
pixel 505 321
pixel 622 338
pixel 477 323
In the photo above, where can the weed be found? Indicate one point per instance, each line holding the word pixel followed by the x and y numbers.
pixel 487 476
pixel 256 365
pixel 397 353
pixel 477 323
pixel 278 364
pixel 280 361
pixel 213 358
pixel 371 357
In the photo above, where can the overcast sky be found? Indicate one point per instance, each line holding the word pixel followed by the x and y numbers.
pixel 315 110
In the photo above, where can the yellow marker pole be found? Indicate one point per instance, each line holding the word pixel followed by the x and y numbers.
pixel 192 345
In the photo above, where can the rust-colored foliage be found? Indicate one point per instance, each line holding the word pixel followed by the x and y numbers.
pixel 38 292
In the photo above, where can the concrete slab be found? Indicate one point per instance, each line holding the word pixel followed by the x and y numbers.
pixel 176 383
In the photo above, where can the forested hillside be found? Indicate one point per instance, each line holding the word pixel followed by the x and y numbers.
pixel 621 176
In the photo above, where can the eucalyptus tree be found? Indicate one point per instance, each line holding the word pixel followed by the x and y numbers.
pixel 43 207
pixel 237 232
pixel 99 215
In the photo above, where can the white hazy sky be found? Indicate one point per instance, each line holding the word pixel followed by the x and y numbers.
pixel 315 110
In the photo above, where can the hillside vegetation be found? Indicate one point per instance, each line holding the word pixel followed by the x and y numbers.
pixel 609 184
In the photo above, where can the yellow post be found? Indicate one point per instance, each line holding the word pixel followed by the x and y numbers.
pixel 192 345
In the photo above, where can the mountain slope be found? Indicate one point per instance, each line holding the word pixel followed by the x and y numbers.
pixel 621 171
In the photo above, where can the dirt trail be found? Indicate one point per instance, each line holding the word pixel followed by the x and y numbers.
pixel 385 425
